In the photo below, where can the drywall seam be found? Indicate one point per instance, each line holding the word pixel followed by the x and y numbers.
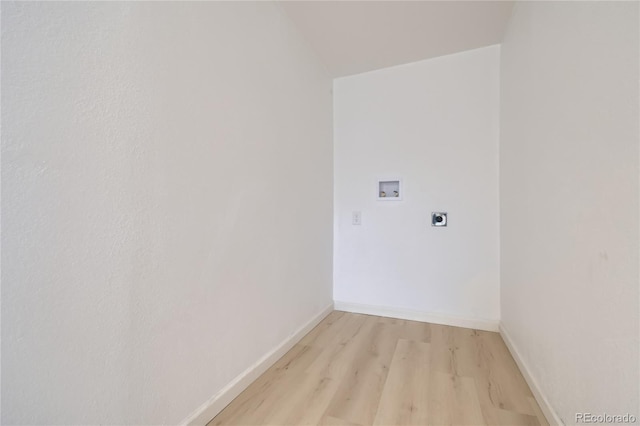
pixel 207 411
pixel 543 402
pixel 432 317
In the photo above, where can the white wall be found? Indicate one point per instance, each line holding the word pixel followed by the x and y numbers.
pixel 435 124
pixel 569 201
pixel 167 203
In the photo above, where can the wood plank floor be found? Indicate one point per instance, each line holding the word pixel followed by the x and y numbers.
pixel 365 370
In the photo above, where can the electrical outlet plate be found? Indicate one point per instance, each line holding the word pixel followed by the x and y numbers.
pixel 356 218
pixel 439 219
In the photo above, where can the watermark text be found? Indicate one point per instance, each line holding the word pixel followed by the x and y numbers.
pixel 605 418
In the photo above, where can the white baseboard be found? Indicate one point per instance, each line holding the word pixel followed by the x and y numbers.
pixel 435 318
pixel 222 398
pixel 543 402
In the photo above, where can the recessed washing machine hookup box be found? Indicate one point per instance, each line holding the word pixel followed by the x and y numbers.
pixel 389 189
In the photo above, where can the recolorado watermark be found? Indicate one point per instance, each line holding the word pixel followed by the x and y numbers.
pixel 605 418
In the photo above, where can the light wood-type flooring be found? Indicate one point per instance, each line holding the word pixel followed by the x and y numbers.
pixel 365 370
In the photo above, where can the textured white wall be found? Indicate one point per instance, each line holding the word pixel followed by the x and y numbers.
pixel 435 124
pixel 167 203
pixel 569 201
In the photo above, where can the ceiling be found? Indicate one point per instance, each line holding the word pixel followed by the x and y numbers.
pixel 352 37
